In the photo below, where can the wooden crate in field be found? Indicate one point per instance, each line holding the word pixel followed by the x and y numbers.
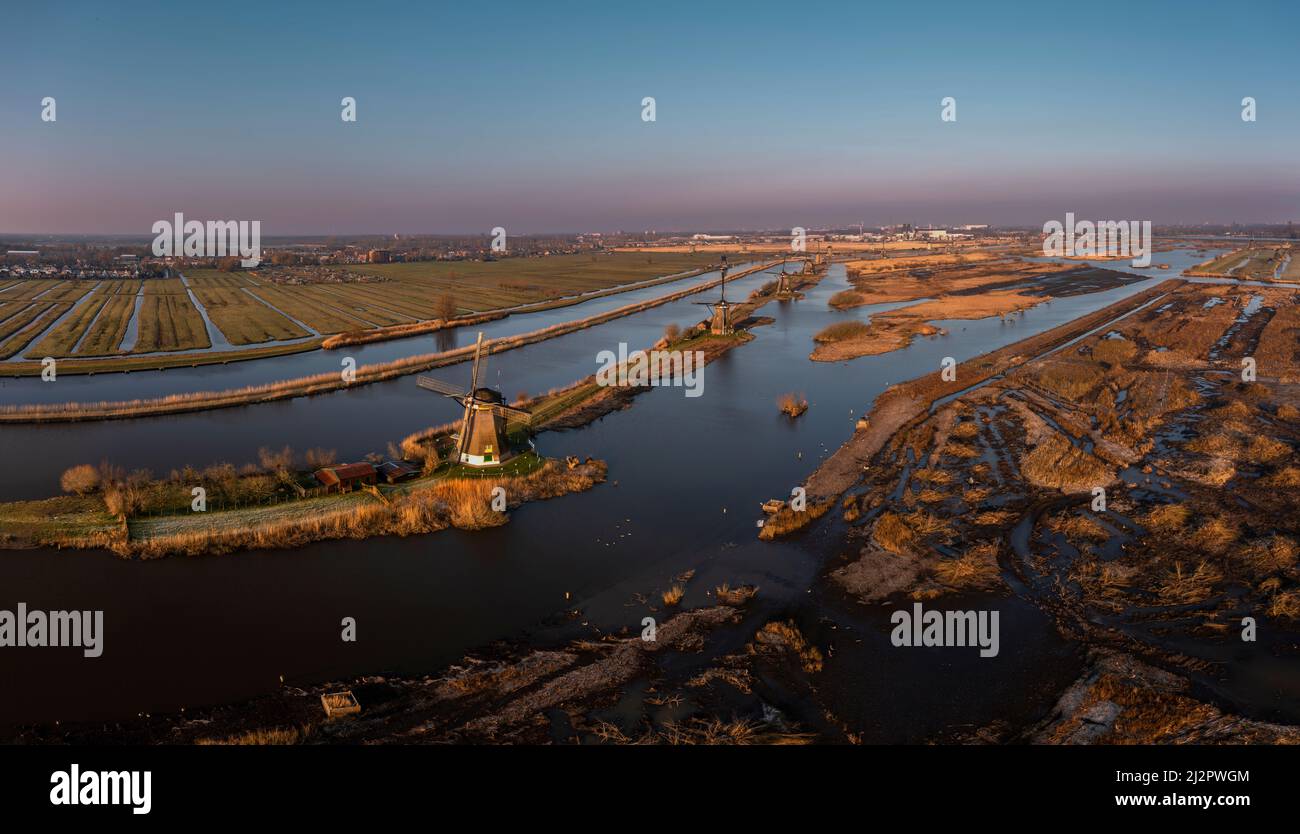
pixel 338 704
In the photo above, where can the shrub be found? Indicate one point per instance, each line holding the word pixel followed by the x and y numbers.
pixel 845 298
pixel 80 480
pixel 842 330
pixel 792 404
pixel 1114 351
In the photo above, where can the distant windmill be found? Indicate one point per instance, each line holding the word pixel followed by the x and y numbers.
pixel 720 310
pixel 482 440
pixel 783 284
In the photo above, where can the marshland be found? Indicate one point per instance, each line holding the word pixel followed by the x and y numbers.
pixel 794 656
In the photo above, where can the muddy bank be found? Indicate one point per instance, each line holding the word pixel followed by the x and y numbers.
pixel 902 403
pixel 1091 485
pixel 510 694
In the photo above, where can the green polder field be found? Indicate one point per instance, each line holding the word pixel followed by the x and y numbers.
pixel 252 311
pixel 1256 264
pixel 242 318
pixel 168 319
pixel 479 286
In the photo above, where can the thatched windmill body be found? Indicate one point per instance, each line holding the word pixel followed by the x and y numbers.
pixel 483 439
pixel 784 286
pixel 720 310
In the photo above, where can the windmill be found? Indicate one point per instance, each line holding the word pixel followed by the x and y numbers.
pixel 783 285
pixel 482 440
pixel 720 310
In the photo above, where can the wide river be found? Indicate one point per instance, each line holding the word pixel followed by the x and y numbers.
pixel 686 477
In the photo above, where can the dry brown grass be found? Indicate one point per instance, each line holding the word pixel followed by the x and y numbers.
pixel 892 533
pixel 1285 605
pixel 1267 450
pixel 1276 553
pixel 1287 476
pixel 704 731
pixel 739 595
pixel 1182 586
pixel 1214 536
pixel 846 298
pixel 976 568
pixel 786 635
pixel 260 737
pixel 841 331
pixel 1069 378
pixel 1167 518
pixel 933 476
pixel 792 404
pixel 1078 527
pixel 1057 463
pixel 961 451
pixel 1114 351
pixel 786 521
pixel 965 430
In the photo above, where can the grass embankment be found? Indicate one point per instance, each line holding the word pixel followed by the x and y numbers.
pixel 318 383
pixel 127 363
pixel 450 497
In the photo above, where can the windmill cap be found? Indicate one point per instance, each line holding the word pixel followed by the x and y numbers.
pixel 490 395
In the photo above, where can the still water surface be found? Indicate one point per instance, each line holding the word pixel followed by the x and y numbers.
pixel 686 476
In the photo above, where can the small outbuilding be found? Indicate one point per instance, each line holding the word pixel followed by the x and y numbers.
pixel 347 476
pixel 393 471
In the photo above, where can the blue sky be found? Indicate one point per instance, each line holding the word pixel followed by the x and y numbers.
pixel 528 116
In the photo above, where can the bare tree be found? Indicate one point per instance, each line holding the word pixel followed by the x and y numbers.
pixel 81 480
pixel 446 307
pixel 319 458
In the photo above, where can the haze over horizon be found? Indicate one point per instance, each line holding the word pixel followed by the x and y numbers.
pixel 530 118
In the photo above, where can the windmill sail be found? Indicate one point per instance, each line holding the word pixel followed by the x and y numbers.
pixel 429 383
pixel 483 439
